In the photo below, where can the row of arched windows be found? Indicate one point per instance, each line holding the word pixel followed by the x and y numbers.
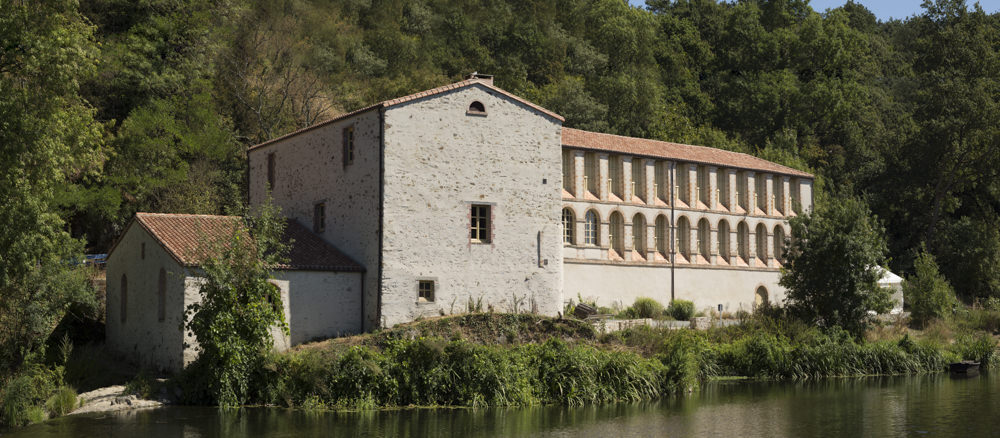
pixel 687 250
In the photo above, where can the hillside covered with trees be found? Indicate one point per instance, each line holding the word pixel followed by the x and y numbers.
pixel 108 107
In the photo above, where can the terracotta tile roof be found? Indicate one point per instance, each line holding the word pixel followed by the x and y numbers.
pixel 672 151
pixel 415 96
pixel 185 236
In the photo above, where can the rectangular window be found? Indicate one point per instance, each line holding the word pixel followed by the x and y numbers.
pixel 591 172
pixel 480 226
pixel 348 145
pixel 319 217
pixel 568 165
pixel 425 291
pixel 270 171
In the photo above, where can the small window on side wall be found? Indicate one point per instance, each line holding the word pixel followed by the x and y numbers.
pixel 476 108
pixel 425 291
pixel 348 145
pixel 319 217
pixel 481 224
pixel 270 171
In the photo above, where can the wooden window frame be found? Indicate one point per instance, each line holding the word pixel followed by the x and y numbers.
pixel 569 233
pixel 348 145
pixel 426 290
pixel 271 171
pixel 319 217
pixel 481 223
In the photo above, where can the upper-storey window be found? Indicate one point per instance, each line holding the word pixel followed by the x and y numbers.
pixel 683 186
pixel 161 295
pixel 660 186
pixel 477 108
pixel 742 192
pixel 568 174
pixel 270 171
pixel 704 187
pixel 779 195
pixel 123 299
pixel 796 196
pixel 722 188
pixel 480 227
pixel 761 193
pixel 639 179
pixel 348 135
pixel 615 180
pixel 591 172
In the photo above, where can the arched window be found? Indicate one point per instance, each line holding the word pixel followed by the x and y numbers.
pixel 593 225
pixel 705 239
pixel 123 302
pixel 762 243
pixel 639 179
pixel 743 241
pixel 617 233
pixel 662 236
pixel 639 234
pixel 760 297
pixel 684 238
pixel 477 107
pixel 723 234
pixel 569 223
pixel 161 296
pixel 779 243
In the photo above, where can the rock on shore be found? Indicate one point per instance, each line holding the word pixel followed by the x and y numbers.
pixel 112 398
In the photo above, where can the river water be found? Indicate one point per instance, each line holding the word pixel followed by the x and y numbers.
pixel 926 406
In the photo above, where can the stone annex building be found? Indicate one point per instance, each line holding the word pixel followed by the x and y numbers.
pixel 421 205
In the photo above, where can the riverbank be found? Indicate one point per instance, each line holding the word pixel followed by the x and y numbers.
pixel 522 360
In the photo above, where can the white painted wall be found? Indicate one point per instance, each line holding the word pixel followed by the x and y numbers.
pixel 439 160
pixel 142 338
pixel 618 284
pixel 309 169
pixel 322 305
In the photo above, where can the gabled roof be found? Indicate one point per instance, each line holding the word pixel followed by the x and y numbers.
pixel 187 237
pixel 427 93
pixel 672 151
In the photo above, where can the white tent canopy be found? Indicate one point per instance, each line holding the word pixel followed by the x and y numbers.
pixel 894 283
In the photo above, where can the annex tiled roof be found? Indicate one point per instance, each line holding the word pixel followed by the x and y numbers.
pixel 415 96
pixel 672 151
pixel 187 237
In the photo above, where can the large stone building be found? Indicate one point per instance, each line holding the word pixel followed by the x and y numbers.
pixel 469 196
pixel 469 193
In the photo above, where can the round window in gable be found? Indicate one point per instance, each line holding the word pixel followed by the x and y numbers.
pixel 477 108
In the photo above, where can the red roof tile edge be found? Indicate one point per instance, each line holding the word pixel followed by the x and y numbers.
pixel 304 236
pixel 675 151
pixel 411 97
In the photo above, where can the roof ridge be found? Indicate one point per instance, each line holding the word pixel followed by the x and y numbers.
pixel 142 213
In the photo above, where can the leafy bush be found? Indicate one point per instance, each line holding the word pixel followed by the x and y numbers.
pixel 62 402
pixel 645 308
pixel 681 310
pixel 929 295
pixel 980 348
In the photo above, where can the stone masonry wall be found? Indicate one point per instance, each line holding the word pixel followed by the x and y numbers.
pixel 309 169
pixel 438 161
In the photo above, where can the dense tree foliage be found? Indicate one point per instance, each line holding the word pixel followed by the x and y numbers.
pixel 834 264
pixel 927 292
pixel 108 107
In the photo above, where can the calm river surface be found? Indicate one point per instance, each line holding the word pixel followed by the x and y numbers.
pixel 936 405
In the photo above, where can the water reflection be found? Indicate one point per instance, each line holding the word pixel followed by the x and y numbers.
pixel 934 405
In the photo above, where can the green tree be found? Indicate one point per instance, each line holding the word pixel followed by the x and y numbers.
pixel 928 294
pixel 239 307
pixel 833 265
pixel 48 141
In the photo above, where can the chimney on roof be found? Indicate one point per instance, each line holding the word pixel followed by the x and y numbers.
pixel 486 79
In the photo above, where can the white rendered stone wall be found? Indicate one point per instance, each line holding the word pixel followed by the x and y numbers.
pixel 310 169
pixel 323 305
pixel 438 161
pixel 619 285
pixel 142 338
